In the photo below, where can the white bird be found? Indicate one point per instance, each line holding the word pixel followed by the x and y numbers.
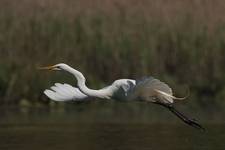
pixel 147 89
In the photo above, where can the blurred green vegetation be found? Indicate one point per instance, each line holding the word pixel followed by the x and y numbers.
pixel 179 42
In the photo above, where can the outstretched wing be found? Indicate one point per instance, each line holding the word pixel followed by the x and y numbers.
pixel 154 90
pixel 64 92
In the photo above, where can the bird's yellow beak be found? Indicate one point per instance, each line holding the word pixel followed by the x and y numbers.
pixel 47 68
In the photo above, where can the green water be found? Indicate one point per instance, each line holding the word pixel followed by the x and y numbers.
pixel 42 129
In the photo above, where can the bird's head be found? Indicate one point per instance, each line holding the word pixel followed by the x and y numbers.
pixel 65 67
pixel 60 66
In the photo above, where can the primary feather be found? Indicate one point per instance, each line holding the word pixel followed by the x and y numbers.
pixel 64 92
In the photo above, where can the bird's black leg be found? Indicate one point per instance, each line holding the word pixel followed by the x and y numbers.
pixel 185 119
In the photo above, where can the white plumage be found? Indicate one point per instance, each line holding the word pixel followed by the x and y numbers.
pixel 64 92
pixel 147 89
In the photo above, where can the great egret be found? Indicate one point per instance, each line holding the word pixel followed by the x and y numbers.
pixel 147 89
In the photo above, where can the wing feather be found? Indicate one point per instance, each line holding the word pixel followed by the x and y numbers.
pixel 59 91
pixel 154 90
pixel 64 92
pixel 62 89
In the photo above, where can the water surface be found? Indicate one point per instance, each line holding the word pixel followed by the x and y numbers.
pixel 39 129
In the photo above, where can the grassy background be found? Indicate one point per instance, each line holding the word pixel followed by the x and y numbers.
pixel 179 42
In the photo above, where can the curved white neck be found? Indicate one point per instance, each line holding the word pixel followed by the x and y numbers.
pixel 102 93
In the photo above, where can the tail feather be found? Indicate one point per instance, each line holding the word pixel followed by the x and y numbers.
pixel 185 119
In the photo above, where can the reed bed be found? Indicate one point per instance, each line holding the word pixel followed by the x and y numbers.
pixel 179 42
